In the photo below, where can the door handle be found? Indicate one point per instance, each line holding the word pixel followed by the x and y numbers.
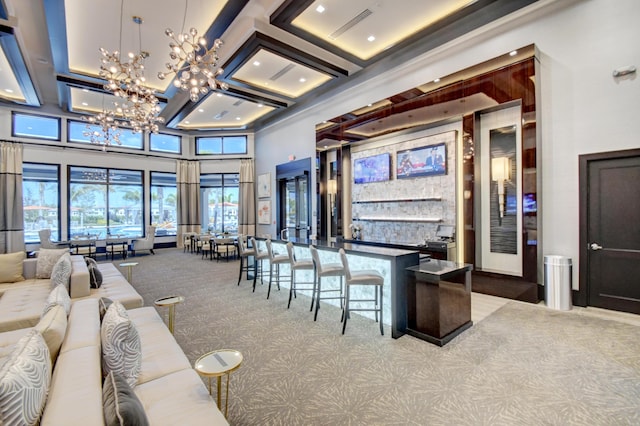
pixel 595 246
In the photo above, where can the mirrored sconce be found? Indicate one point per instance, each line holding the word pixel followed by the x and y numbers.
pixel 332 190
pixel 500 171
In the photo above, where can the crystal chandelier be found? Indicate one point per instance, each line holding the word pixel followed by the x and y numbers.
pixel 109 132
pixel 195 66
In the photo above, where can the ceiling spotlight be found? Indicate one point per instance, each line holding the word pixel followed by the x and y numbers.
pixel 320 8
pixel 238 118
pixel 85 104
pixel 260 105
pixel 436 80
pixel 302 80
pixel 371 38
pixel 219 95
pixel 200 110
pixel 513 53
pixel 256 63
pixel 8 90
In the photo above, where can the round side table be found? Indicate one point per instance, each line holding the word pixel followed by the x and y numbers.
pixel 217 364
pixel 129 266
pixel 171 302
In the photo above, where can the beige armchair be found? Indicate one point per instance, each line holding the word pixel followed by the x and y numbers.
pixel 144 243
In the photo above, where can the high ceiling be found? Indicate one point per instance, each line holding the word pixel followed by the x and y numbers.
pixel 277 54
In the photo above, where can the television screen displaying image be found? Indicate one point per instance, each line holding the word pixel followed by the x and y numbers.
pixel 428 160
pixel 372 169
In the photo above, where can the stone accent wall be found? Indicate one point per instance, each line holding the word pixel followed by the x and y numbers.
pixel 406 210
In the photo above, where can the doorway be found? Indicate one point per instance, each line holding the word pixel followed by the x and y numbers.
pixel 610 231
pixel 295 218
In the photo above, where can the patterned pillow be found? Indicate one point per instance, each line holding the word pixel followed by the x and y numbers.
pixel 61 271
pixel 24 381
pixel 46 259
pixel 120 344
pixel 58 296
pixel 120 404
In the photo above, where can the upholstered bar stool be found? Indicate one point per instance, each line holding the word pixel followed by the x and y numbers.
pixel 323 271
pixel 259 257
pixel 300 265
pixel 361 278
pixel 244 252
pixel 275 260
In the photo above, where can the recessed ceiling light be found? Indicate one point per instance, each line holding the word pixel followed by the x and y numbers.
pixel 371 38
pixel 187 122
pixel 302 79
pixel 219 95
pixel 256 63
pixel 200 110
pixel 320 8
pixel 513 53
pixel 266 83
pixel 8 90
pixel 85 104
pixel 238 118
pixel 260 105
pixel 369 105
pixel 436 80
pixel 85 90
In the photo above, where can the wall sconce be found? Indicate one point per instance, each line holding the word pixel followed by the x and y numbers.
pixel 500 171
pixel 332 190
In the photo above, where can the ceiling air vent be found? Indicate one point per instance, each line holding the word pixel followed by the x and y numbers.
pixel 282 72
pixel 220 115
pixel 238 102
pixel 352 23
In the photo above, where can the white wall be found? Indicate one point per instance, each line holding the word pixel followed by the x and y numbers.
pixel 583 108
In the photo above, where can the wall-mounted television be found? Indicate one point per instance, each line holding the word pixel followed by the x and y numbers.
pixel 428 160
pixel 375 168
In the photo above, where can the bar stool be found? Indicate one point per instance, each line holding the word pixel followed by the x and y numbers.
pixel 244 252
pixel 300 265
pixel 275 259
pixel 259 257
pixel 326 270
pixel 363 278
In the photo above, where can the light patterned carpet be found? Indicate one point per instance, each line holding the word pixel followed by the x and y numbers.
pixel 522 365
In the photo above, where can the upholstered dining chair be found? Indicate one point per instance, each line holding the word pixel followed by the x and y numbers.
pixel 145 243
pixel 224 247
pixel 244 253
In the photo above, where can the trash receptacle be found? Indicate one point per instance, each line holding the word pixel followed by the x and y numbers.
pixel 557 282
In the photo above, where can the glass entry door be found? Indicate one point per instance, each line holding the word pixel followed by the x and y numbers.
pixel 295 207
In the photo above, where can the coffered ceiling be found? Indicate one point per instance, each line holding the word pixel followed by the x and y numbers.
pixel 276 53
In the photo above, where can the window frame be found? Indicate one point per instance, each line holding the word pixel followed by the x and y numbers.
pixel 15 114
pixel 151 172
pixel 71 122
pixel 222 139
pixel 223 178
pixel 179 152
pixel 58 197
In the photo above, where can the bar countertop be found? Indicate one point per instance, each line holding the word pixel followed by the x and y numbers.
pixel 348 247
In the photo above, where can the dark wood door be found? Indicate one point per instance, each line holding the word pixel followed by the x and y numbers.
pixel 613 232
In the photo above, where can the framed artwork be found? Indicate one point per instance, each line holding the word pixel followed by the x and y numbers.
pixel 264 212
pixel 264 185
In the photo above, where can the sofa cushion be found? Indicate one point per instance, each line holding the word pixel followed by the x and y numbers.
pixel 53 326
pixel 61 272
pixel 95 276
pixel 58 296
pixel 11 267
pixel 121 405
pixel 22 307
pixel 24 381
pixel 46 259
pixel 120 344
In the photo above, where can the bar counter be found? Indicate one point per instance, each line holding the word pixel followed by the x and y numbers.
pixel 391 262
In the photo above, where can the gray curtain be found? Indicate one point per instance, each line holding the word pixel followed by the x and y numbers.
pixel 247 202
pixel 11 212
pixel 188 183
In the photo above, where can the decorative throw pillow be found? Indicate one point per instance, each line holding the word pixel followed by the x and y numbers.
pixel 95 276
pixel 46 259
pixel 11 267
pixel 120 404
pixel 53 327
pixel 103 305
pixel 24 381
pixel 61 272
pixel 58 296
pixel 120 344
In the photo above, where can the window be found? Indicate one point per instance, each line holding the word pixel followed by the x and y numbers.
pixel 128 139
pixel 219 198
pixel 163 203
pixel 221 145
pixel 41 200
pixel 35 126
pixel 162 142
pixel 105 202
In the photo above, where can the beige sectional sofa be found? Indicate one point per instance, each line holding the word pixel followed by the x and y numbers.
pixel 22 302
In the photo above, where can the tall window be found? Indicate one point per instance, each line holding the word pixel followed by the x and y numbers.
pixel 128 138
pixel 105 202
pixel 163 203
pixel 219 200
pixel 221 145
pixel 41 200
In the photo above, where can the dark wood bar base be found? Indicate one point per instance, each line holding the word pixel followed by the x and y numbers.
pixel 438 300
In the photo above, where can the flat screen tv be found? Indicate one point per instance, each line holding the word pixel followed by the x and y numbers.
pixel 372 169
pixel 428 160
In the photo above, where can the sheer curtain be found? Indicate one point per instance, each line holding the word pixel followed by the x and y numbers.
pixel 11 213
pixel 247 202
pixel 188 183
